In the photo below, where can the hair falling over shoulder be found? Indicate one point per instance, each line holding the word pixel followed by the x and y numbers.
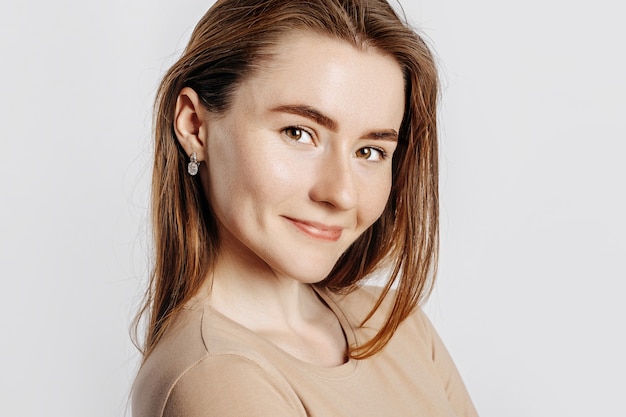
pixel 230 43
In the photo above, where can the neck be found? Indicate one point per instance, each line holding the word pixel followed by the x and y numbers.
pixel 279 308
pixel 259 297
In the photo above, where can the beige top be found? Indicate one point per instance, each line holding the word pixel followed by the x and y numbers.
pixel 208 365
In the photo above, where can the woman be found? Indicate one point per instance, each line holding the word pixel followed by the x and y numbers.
pixel 296 154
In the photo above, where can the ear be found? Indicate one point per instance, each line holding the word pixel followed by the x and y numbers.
pixel 190 122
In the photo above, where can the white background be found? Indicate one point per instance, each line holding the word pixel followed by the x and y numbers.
pixel 530 293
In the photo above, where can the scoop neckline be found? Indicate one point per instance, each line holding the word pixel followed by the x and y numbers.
pixel 266 348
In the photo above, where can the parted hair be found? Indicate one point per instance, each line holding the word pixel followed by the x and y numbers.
pixel 229 44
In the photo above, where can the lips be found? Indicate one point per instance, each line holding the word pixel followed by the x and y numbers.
pixel 317 230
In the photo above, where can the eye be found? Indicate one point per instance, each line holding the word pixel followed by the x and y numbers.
pixel 298 134
pixel 371 154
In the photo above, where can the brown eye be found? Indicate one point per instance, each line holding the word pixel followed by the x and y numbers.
pixel 370 154
pixel 298 134
pixel 364 153
pixel 293 133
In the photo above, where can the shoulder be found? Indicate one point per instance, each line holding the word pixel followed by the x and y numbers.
pixel 358 304
pixel 416 331
pixel 203 366
pixel 180 348
pixel 231 385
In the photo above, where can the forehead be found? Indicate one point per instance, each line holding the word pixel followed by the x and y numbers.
pixel 360 86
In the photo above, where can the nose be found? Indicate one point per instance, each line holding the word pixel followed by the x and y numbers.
pixel 335 183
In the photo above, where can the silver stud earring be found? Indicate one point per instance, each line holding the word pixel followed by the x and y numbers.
pixel 192 167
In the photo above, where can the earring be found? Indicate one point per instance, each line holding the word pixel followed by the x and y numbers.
pixel 192 167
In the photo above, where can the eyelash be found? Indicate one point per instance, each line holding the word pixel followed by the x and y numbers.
pixel 301 130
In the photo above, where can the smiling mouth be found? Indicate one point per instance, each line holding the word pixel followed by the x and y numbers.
pixel 317 230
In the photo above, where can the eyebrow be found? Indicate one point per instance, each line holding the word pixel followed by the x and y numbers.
pixel 323 120
pixel 310 113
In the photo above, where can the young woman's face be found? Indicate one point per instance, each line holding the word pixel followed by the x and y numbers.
pixel 301 163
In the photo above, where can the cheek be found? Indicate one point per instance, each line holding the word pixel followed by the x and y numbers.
pixel 267 172
pixel 374 195
pixel 251 173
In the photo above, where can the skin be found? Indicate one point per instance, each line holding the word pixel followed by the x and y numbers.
pixel 296 170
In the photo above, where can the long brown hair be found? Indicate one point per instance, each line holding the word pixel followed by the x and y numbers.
pixel 228 45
